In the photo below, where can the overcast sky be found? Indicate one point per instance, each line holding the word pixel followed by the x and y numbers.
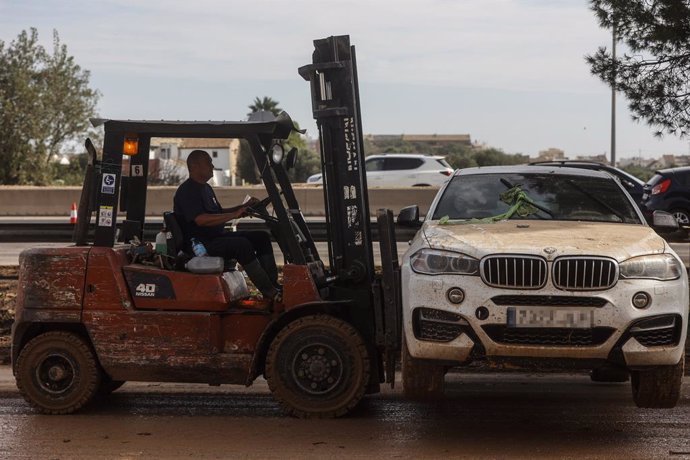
pixel 511 73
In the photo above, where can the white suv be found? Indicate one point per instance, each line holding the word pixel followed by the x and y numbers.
pixel 402 170
pixel 534 265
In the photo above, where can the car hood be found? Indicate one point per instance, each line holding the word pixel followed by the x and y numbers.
pixel 546 238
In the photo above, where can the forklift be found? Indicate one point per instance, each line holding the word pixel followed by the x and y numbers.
pixel 94 315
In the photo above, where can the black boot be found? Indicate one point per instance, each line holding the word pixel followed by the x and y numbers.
pixel 268 262
pixel 261 280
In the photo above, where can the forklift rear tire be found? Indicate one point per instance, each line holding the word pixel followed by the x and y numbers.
pixel 421 379
pixel 318 367
pixel 57 373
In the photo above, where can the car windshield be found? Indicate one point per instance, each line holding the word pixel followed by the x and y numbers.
pixel 534 196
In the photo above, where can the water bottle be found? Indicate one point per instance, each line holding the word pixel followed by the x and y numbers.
pixel 198 248
pixel 162 242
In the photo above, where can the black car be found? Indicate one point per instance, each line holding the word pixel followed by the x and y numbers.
pixel 669 190
pixel 633 185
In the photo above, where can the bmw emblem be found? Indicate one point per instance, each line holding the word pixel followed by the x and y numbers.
pixel 550 250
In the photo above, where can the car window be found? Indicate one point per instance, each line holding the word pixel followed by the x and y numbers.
pixel 655 180
pixel 683 177
pixel 558 197
pixel 375 164
pixel 397 163
pixel 629 177
pixel 444 163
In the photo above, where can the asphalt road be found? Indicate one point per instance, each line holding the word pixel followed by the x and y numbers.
pixel 482 416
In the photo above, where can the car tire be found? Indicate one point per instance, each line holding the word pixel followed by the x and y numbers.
pixel 318 367
pixel 658 387
pixel 57 373
pixel 421 379
pixel 682 216
pixel 609 374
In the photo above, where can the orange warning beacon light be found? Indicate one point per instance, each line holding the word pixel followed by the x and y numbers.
pixel 131 145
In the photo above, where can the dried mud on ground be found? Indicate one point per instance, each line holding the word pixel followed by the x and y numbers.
pixel 8 295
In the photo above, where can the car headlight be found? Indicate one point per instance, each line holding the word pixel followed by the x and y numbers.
pixel 659 267
pixel 436 262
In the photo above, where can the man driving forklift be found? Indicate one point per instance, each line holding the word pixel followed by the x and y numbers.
pixel 201 216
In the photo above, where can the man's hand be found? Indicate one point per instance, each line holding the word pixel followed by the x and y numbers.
pixel 251 202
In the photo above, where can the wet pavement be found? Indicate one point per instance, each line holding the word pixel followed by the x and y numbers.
pixel 484 415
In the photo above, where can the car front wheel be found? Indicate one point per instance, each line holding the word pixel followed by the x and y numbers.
pixel 421 379
pixel 658 387
pixel 682 216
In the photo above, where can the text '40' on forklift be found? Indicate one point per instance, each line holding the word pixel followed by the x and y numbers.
pixel 90 317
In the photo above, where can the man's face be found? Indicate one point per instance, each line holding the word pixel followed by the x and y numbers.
pixel 205 168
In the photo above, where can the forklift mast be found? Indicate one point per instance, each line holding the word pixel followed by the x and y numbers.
pixel 335 106
pixel 376 301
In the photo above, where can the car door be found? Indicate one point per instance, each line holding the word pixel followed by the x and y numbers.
pixel 374 169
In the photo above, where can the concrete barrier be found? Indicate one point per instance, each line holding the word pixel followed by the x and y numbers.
pixel 56 201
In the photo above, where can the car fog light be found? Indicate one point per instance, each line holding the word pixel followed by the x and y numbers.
pixel 455 295
pixel 641 300
pixel 482 313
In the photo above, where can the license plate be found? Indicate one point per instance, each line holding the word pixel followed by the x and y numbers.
pixel 549 317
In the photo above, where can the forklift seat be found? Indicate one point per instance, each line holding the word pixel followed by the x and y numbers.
pixel 176 240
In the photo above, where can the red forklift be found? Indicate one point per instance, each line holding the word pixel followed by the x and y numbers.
pixel 94 315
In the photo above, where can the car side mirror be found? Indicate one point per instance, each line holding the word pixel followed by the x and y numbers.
pixel 664 220
pixel 409 217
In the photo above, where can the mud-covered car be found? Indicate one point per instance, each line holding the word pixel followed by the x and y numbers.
pixel 547 267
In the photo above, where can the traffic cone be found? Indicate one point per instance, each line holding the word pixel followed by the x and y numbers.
pixel 73 213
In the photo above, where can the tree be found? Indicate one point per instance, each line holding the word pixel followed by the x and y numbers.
pixel 246 166
pixel 267 104
pixel 655 76
pixel 308 161
pixel 45 102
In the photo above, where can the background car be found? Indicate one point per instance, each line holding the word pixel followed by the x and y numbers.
pixel 633 185
pixel 669 190
pixel 402 170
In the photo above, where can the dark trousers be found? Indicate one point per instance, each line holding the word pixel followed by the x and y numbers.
pixel 246 247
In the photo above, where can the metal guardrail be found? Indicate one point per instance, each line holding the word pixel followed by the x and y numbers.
pixel 54 232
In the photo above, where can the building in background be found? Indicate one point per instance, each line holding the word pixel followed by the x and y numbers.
pixel 171 156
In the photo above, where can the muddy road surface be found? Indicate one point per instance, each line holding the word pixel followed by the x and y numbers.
pixel 483 416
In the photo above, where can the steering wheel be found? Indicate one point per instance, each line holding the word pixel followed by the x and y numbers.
pixel 259 210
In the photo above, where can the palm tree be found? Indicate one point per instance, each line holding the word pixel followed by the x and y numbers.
pixel 267 104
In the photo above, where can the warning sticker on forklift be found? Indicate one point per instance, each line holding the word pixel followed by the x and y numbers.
pixel 108 184
pixel 105 216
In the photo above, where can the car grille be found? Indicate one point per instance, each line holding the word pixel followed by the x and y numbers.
pixel 584 273
pixel 548 301
pixel 437 325
pixel 565 337
pixel 514 272
pixel 657 331
pixel 655 338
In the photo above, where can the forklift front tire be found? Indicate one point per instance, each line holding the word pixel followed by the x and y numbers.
pixel 57 373
pixel 318 367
